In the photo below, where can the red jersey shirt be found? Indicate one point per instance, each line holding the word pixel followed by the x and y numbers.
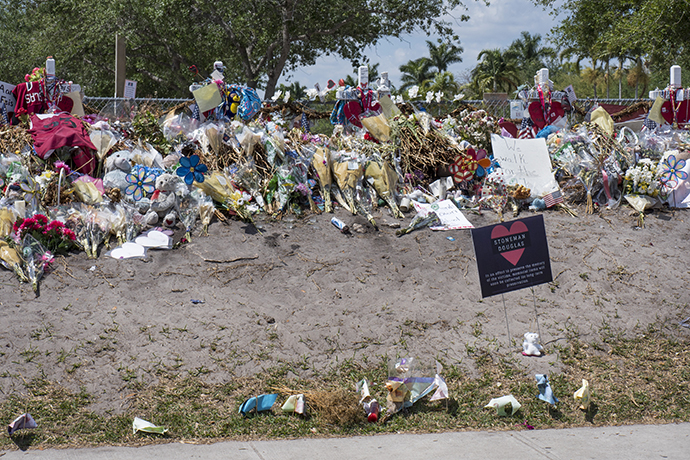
pixel 30 98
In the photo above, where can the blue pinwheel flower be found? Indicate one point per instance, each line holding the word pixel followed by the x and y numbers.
pixel 671 171
pixel 191 170
pixel 141 183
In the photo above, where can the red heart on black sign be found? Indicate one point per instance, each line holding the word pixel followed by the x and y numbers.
pixel 500 231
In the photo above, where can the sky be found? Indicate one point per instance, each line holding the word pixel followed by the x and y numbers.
pixel 493 26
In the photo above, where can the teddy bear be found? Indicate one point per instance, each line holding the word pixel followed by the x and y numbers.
pixel 531 346
pixel 117 166
pixel 165 204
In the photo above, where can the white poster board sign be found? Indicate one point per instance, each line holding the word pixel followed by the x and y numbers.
pixel 6 96
pixel 130 89
pixel 525 162
pixel 449 214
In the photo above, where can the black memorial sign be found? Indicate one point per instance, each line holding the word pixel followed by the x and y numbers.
pixel 512 255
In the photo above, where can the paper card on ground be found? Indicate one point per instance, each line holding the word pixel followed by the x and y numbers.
pixel 525 162
pixel 449 214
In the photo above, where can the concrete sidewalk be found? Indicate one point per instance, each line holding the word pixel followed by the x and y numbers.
pixel 618 442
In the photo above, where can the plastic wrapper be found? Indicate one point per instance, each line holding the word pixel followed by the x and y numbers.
pixel 377 125
pixel 280 188
pixel 321 161
pixel 300 171
pixel 118 223
pixel 103 140
pixel 215 133
pixel 7 219
pixel 189 211
pixel 36 258
pixel 87 192
pixel 409 381
pixel 348 171
pixel 582 395
pixel 178 127
pixel 247 177
pixel 420 221
pixel 98 227
pixel 10 259
pixel 641 203
pixel 217 185
pixel 381 175
pixel 495 193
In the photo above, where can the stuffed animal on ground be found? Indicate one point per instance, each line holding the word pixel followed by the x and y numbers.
pixel 117 166
pixel 164 202
pixel 531 346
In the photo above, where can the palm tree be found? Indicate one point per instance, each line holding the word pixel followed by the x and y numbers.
pixel 638 74
pixel 529 53
pixel 297 91
pixel 443 54
pixel 416 73
pixel 593 76
pixel 496 69
pixel 445 83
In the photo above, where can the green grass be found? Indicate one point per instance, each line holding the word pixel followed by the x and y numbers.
pixel 635 380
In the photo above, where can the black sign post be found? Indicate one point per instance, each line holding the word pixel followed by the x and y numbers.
pixel 511 256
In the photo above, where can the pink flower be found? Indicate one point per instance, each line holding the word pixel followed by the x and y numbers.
pixel 66 232
pixel 61 165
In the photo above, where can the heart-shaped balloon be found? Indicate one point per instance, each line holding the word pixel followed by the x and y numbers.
pixel 128 250
pixel 154 239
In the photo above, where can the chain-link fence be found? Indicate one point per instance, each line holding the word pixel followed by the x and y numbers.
pixel 496 108
pixel 98 104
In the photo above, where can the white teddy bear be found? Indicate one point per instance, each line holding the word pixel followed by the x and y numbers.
pixel 117 166
pixel 531 346
pixel 165 205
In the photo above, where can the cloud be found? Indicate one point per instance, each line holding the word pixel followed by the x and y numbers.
pixel 493 26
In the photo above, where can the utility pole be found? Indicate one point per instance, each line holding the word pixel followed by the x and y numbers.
pixel 120 44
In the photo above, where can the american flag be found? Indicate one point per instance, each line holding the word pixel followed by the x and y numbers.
pixel 649 124
pixel 304 122
pixel 195 112
pixel 553 198
pixel 526 129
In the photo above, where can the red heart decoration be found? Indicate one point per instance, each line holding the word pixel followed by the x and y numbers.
pixel 352 111
pixel 682 115
pixel 500 231
pixel 537 114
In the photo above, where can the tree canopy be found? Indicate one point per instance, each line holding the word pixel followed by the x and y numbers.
pixel 257 40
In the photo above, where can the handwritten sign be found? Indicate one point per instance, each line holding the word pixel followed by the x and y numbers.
pixel 512 255
pixel 6 96
pixel 525 162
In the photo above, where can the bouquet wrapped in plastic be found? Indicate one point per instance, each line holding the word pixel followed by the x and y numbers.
pixel 36 259
pixel 381 175
pixel 321 161
pixel 10 259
